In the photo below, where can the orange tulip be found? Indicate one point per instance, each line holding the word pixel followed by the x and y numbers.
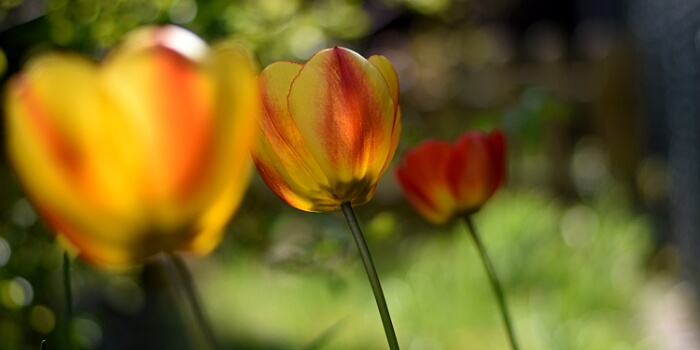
pixel 144 153
pixel 329 128
pixel 442 180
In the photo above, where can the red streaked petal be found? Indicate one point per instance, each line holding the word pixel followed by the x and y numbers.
pixel 470 171
pixel 496 141
pixel 422 175
pixel 167 99
pixel 278 127
pixel 343 108
pixel 185 105
pixel 280 154
pixel 64 151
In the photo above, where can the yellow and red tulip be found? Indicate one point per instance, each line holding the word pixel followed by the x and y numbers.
pixel 329 128
pixel 442 180
pixel 143 153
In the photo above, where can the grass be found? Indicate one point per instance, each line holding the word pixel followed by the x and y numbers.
pixel 572 274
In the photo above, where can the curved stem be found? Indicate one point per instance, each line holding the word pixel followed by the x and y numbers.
pixel 494 281
pixel 68 293
pixel 371 274
pixel 186 281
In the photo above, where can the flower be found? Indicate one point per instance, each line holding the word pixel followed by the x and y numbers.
pixel 442 180
pixel 329 128
pixel 144 153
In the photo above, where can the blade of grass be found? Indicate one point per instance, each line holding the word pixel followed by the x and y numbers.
pixel 68 293
pixel 186 282
pixel 322 339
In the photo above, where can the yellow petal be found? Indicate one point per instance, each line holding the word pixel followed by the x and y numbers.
pixel 389 73
pixel 387 69
pixel 237 107
pixel 57 147
pixel 168 100
pixel 395 137
pixel 281 154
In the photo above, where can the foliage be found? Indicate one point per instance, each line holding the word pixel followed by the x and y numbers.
pixel 571 272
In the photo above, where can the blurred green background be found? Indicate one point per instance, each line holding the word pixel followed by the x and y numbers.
pixel 577 236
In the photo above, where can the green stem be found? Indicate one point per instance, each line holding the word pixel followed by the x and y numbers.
pixel 67 291
pixel 371 274
pixel 185 278
pixel 494 281
pixel 44 346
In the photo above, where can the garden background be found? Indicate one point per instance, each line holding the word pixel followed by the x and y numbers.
pixel 594 236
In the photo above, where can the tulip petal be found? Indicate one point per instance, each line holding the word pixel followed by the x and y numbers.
pixel 421 175
pixel 90 247
pixel 497 150
pixel 237 106
pixel 389 73
pixel 387 69
pixel 281 155
pixel 208 232
pixel 58 148
pixel 168 100
pixel 280 130
pixel 343 108
pixel 470 174
pixel 395 136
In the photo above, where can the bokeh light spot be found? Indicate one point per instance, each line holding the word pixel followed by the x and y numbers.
pixel 278 9
pixel 183 11
pixel 589 166
pixel 42 319
pixel 305 41
pixel 18 292
pixel 652 181
pixel 88 333
pixel 382 225
pixel 578 226
pixel 22 214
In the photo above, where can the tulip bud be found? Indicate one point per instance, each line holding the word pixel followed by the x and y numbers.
pixel 442 180
pixel 329 128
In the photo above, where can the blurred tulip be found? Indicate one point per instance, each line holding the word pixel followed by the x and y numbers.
pixel 144 153
pixel 329 128
pixel 442 180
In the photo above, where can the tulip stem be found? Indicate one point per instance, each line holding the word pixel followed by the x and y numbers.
pixel 371 274
pixel 185 278
pixel 494 281
pixel 68 293
pixel 43 346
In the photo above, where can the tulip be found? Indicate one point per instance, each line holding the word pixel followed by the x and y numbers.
pixel 330 128
pixel 443 180
pixel 143 153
